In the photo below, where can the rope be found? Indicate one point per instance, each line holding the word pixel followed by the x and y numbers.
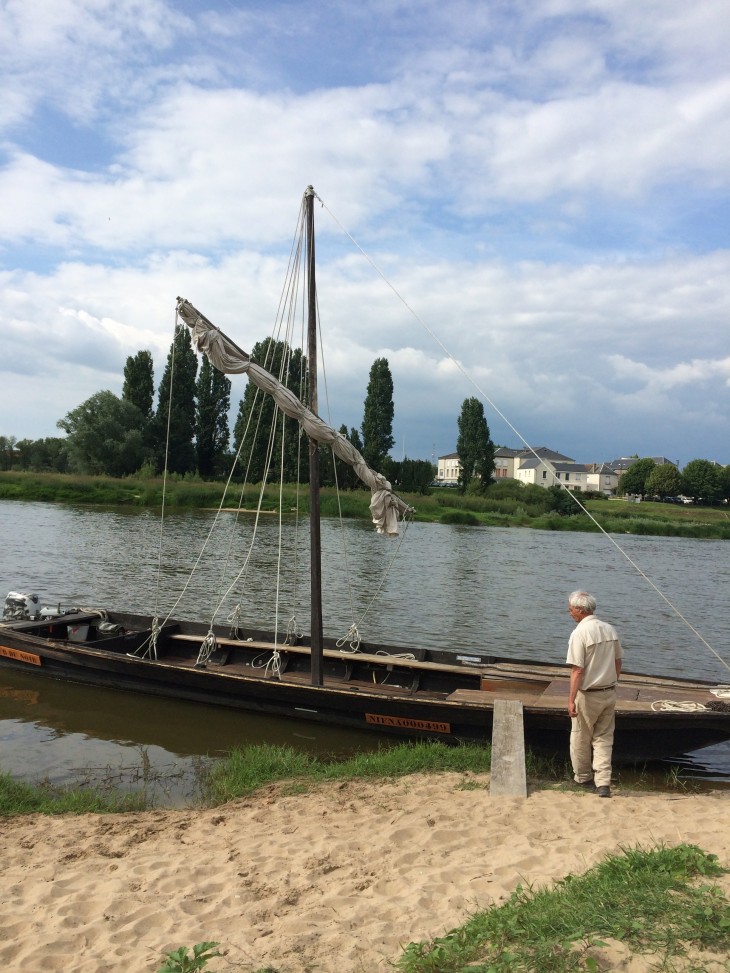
pixel 353 637
pixel 293 632
pixel 148 648
pixel 271 665
pixel 207 648
pixel 674 706
pixel 519 435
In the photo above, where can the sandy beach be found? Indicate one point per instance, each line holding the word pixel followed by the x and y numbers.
pixel 332 881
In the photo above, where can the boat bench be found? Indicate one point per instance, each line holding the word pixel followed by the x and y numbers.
pixel 131 641
pixel 353 657
pixel 77 618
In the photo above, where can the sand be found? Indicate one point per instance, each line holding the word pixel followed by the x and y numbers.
pixel 334 881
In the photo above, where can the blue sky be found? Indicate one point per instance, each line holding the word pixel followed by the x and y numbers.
pixel 544 183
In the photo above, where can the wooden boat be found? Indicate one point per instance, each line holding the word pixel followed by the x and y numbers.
pixel 411 692
pixel 418 694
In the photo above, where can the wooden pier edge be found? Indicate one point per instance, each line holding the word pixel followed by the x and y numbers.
pixel 508 776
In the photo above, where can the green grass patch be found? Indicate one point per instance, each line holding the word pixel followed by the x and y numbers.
pixel 246 769
pixel 649 900
pixel 17 797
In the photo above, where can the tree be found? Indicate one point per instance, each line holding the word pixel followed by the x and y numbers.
pixel 139 383
pixel 257 413
pixel 103 436
pixel 701 481
pixel 664 480
pixel 174 422
pixel 723 480
pixel 377 420
pixel 7 451
pixel 414 475
pixel 562 501
pixel 474 446
pixel 634 479
pixel 212 437
pixel 334 471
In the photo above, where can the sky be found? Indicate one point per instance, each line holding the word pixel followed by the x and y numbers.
pixel 524 201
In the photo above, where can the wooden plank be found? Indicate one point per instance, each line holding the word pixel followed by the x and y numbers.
pixel 508 776
pixel 384 660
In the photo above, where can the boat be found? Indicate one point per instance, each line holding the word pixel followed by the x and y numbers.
pixel 412 692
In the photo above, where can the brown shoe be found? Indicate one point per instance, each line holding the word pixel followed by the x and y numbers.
pixel 604 791
pixel 586 785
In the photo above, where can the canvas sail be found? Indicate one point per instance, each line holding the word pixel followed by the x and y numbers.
pixel 385 505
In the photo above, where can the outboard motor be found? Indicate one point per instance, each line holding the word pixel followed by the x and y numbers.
pixel 21 608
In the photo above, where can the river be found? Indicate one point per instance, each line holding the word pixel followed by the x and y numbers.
pixel 501 589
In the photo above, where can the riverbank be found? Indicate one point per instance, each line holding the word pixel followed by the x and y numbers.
pixel 338 879
pixel 444 506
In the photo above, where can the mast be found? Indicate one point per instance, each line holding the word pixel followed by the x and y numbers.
pixel 315 541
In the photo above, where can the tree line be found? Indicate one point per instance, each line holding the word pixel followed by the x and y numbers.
pixel 701 480
pixel 188 431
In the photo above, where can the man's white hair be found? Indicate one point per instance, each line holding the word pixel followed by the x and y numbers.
pixel 583 601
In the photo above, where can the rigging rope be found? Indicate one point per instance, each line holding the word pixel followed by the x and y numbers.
pixel 675 706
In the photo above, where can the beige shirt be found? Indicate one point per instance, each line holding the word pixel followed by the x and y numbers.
pixel 594 647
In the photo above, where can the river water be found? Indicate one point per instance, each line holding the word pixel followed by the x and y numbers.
pixel 444 586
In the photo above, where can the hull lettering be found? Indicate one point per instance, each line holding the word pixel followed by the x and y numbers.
pixel 19 656
pixel 431 725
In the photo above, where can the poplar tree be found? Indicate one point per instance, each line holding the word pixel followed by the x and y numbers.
pixel 474 446
pixel 257 412
pixel 377 421
pixel 212 436
pixel 139 383
pixel 176 403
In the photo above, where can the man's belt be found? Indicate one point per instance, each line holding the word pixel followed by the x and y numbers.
pixel 599 689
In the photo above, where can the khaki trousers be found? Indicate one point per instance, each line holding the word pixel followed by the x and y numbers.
pixel 591 736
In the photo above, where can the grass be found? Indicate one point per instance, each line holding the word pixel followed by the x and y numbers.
pixel 17 797
pixel 246 769
pixel 649 900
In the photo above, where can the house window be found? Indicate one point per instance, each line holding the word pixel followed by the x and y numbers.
pixel 544 474
pixel 567 476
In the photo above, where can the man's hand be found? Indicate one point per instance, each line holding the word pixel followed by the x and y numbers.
pixel 576 681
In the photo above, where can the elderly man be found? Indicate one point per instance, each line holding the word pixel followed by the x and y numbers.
pixel 594 657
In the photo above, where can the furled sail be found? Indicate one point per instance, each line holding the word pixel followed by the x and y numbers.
pixel 385 506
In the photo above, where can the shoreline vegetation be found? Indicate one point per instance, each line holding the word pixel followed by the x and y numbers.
pixel 442 505
pixel 245 770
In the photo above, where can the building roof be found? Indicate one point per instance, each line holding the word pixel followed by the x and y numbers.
pixel 544 453
pixel 535 464
pixel 624 462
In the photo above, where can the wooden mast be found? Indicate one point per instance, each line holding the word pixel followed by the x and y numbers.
pixel 315 542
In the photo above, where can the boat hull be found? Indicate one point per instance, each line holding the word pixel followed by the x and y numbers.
pixel 432 695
